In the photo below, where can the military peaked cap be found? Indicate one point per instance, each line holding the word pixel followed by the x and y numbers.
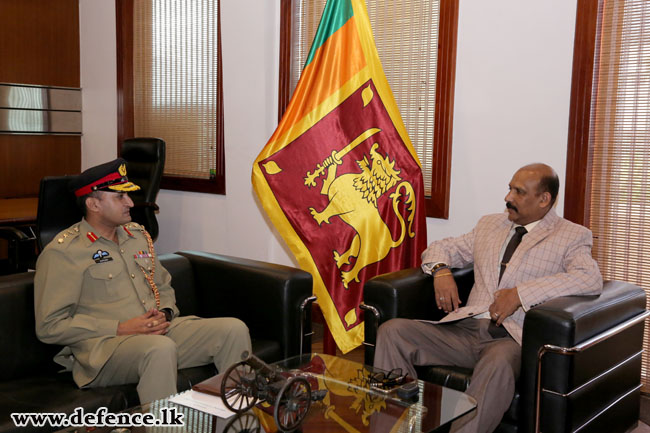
pixel 110 176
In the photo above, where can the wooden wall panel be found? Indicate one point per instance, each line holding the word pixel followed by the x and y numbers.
pixel 25 159
pixel 39 42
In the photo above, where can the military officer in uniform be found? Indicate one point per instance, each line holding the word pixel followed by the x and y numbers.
pixel 101 292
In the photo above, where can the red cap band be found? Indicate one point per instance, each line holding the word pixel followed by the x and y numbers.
pixel 89 188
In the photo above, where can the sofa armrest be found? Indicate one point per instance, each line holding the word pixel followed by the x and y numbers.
pixel 404 294
pixel 266 296
pixel 567 322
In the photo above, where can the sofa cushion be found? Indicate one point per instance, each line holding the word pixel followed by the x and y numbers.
pixel 183 283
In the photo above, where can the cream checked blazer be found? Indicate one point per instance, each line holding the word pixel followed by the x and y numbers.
pixel 553 260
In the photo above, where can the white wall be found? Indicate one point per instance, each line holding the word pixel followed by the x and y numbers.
pixel 98 81
pixel 513 82
pixel 511 108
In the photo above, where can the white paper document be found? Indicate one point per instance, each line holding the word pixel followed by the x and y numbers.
pixel 460 314
pixel 204 402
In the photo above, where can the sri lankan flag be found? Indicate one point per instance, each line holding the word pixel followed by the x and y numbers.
pixel 339 178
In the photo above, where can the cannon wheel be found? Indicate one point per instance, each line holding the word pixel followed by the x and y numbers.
pixel 243 423
pixel 238 395
pixel 292 403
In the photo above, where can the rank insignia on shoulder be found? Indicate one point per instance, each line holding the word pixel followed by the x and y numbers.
pixel 70 233
pixel 128 232
pixel 102 256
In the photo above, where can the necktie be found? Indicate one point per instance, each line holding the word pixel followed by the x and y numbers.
pixel 510 249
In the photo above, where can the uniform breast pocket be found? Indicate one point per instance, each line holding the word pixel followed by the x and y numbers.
pixel 105 282
pixel 144 263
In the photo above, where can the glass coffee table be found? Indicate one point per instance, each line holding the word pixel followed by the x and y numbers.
pixel 346 402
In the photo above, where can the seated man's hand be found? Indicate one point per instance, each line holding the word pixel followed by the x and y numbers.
pixel 152 322
pixel 446 291
pixel 506 302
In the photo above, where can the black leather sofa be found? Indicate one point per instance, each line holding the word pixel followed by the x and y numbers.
pixel 591 366
pixel 267 297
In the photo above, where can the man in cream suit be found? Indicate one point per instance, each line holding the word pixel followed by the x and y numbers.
pixel 101 292
pixel 521 258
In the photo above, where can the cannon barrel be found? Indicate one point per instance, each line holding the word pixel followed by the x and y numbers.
pixel 260 366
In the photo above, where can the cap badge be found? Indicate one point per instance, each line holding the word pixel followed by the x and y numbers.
pixel 122 170
pixel 102 256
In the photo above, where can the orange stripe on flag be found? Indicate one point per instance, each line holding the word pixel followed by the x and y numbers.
pixel 340 58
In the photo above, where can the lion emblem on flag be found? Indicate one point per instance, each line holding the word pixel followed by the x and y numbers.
pixel 353 198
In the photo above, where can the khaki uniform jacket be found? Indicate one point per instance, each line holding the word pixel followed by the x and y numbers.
pixel 553 260
pixel 85 285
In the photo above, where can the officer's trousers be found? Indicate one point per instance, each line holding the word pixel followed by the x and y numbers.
pixel 152 361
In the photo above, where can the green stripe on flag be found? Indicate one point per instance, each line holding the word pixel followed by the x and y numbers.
pixel 335 15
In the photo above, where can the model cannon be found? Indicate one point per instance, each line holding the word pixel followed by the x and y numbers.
pixel 250 380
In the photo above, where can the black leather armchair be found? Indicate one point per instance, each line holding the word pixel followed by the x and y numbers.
pixel 57 209
pixel 145 162
pixel 588 348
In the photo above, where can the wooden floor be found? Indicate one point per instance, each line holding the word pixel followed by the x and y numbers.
pixel 357 355
pixel 642 428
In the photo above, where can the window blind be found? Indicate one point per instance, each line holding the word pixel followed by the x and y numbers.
pixel 176 80
pixel 620 147
pixel 406 36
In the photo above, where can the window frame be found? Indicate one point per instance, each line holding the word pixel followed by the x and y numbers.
pixel 125 122
pixel 577 195
pixel 437 205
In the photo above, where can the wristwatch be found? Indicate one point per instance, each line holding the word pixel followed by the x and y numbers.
pixel 439 266
pixel 169 314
